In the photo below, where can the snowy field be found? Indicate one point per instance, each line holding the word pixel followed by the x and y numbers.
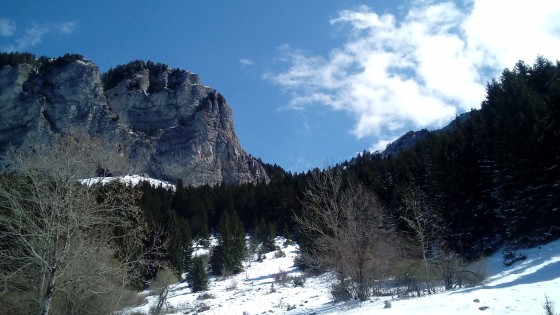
pixel 518 289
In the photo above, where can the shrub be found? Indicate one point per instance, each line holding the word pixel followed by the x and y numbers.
pixel 512 256
pixel 548 306
pixel 279 254
pixel 281 277
pixel 205 296
pixel 340 293
pixel 387 304
pixel 298 281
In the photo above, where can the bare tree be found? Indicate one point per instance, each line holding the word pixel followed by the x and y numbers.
pixel 424 223
pixel 61 238
pixel 160 286
pixel 345 223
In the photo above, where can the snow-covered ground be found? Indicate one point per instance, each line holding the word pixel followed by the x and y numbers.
pixel 518 289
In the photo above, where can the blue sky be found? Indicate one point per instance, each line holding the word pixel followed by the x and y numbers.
pixel 310 82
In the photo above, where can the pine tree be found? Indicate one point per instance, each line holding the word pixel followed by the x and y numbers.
pixel 180 242
pixel 227 256
pixel 198 277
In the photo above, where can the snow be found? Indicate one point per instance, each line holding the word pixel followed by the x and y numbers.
pixel 517 289
pixel 132 180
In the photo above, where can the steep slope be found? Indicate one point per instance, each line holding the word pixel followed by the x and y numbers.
pixel 170 125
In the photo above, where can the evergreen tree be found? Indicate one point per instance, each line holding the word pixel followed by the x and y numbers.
pixel 198 277
pixel 227 255
pixel 180 243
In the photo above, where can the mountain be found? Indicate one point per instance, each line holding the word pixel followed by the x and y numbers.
pixel 171 126
pixel 411 138
pixel 404 142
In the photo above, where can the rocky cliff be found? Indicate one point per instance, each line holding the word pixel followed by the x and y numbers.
pixel 171 126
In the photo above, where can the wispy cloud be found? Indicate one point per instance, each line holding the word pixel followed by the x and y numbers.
pixel 7 27
pixel 66 27
pixel 35 34
pixel 424 69
pixel 246 62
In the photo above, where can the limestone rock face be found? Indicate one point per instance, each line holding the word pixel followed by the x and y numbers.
pixel 171 126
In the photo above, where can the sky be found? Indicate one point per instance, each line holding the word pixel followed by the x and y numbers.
pixel 310 82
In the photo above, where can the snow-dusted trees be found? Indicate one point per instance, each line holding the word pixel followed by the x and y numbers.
pixel 346 226
pixel 65 246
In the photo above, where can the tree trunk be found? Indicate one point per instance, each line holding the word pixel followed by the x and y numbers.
pixel 426 267
pixel 47 297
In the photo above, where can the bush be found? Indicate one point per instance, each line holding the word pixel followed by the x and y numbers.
pixel 548 306
pixel 205 296
pixel 512 256
pixel 281 277
pixel 298 281
pixel 387 304
pixel 279 254
pixel 340 293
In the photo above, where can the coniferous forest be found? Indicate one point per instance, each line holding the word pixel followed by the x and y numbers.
pixel 492 177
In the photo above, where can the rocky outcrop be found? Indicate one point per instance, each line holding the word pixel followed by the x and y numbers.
pixel 171 126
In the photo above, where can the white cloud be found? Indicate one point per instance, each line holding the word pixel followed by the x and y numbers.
pixel 7 27
pixel 66 27
pixel 35 34
pixel 246 62
pixel 424 69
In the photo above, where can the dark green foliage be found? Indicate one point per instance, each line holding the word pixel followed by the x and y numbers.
pixel 48 64
pixel 197 276
pixel 266 233
pixel 16 58
pixel 173 79
pixel 525 110
pixel 493 175
pixel 44 64
pixel 122 72
pixel 227 255
pixel 127 72
pixel 512 256
pixel 156 82
pixel 179 242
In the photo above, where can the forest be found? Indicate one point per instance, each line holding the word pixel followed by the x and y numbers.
pixel 492 176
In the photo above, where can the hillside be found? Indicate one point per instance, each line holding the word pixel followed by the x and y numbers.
pixel 517 289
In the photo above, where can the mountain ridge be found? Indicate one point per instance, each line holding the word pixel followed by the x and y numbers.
pixel 171 126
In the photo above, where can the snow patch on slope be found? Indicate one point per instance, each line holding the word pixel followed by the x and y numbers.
pixel 131 180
